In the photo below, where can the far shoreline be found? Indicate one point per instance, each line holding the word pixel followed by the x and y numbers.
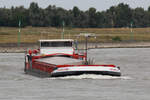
pixel 13 48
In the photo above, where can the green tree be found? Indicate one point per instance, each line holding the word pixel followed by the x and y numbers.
pixel 49 15
pixel 76 17
pixel 123 15
pixel 116 16
pixel 92 17
pixel 99 19
pixel 111 16
pixel 149 8
pixel 5 17
pixel 19 13
pixel 141 18
pixel 36 15
pixel 59 17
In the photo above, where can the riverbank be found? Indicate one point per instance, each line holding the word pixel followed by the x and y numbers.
pixel 33 34
pixel 13 48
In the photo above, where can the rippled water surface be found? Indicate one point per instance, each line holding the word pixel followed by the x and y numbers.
pixel 134 84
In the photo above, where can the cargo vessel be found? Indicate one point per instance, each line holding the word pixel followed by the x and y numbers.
pixel 59 58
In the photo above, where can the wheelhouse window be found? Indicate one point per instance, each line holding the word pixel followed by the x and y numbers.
pixel 57 44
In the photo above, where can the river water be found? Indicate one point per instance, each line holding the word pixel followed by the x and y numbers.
pixel 134 84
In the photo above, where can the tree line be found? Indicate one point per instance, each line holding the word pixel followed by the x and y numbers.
pixel 116 16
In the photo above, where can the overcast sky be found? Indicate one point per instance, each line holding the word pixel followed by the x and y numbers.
pixel 100 5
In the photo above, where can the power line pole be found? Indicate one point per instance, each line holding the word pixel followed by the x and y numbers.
pixel 62 35
pixel 131 25
pixel 86 48
pixel 19 32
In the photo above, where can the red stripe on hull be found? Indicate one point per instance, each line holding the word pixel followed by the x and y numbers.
pixel 85 65
pixel 43 66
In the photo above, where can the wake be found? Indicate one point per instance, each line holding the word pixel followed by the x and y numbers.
pixel 93 76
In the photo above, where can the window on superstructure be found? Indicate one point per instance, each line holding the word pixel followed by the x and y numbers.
pixel 44 44
pixel 56 44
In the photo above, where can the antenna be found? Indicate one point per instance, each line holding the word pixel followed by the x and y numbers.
pixel 86 35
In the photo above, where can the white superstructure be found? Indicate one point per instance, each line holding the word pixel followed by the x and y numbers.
pixel 56 46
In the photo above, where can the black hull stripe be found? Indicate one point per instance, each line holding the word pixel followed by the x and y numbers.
pixel 69 73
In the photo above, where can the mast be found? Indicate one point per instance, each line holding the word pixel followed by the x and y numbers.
pixel 86 35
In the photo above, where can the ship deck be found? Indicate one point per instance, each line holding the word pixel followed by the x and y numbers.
pixel 61 61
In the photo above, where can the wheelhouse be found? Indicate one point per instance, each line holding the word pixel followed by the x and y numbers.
pixel 56 46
